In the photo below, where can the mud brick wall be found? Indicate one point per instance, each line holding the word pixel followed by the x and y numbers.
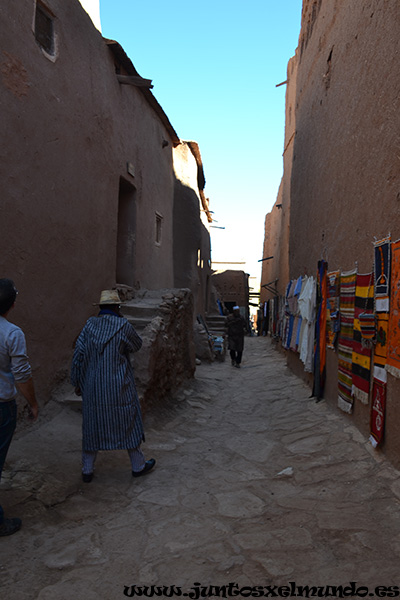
pixel 167 357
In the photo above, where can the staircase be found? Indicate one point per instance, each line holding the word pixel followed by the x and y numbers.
pixel 142 311
pixel 216 329
pixel 216 324
pixel 164 320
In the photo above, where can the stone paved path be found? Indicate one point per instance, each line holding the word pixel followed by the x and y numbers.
pixel 255 484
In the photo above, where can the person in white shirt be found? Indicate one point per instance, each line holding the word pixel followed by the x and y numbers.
pixel 15 375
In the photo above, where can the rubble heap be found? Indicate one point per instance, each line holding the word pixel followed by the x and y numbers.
pixel 164 320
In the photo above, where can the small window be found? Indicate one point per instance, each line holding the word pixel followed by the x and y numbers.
pixel 158 228
pixel 44 29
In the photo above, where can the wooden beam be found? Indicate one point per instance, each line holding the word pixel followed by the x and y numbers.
pixel 266 258
pixel 135 80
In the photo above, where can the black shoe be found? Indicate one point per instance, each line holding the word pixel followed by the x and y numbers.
pixel 10 526
pixel 147 467
pixel 87 477
pixel 237 365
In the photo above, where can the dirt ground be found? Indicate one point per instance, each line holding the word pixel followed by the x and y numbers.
pixel 256 486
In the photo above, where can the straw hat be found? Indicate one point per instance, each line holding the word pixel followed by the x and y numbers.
pixel 109 297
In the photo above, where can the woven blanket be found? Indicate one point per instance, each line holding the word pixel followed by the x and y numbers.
pixel 320 332
pixel 345 343
pixel 332 309
pixel 382 260
pixel 382 274
pixel 382 292
pixel 361 355
pixel 377 424
pixel 393 351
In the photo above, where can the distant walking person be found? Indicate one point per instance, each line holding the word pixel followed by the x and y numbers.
pixel 236 328
pixel 15 374
pixel 103 374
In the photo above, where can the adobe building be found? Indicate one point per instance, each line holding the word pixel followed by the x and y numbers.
pixel 232 287
pixel 275 263
pixel 191 226
pixel 88 174
pixel 341 182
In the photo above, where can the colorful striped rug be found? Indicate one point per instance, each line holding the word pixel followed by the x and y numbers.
pixel 382 275
pixel 382 291
pixel 361 355
pixel 345 344
pixel 393 353
pixel 332 309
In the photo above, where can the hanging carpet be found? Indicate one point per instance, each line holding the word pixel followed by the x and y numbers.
pixel 382 292
pixel 393 353
pixel 362 350
pixel 345 343
pixel 332 309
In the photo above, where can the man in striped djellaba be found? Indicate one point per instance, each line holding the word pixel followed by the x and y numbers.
pixel 103 374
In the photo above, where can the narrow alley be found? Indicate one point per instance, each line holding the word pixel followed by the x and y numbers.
pixel 255 484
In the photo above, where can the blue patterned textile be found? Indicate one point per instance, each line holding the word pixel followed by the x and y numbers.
pixel 101 368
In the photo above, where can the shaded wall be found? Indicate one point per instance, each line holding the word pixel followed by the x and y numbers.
pixel 191 239
pixel 69 128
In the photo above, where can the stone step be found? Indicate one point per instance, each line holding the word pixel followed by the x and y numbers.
pixel 139 323
pixel 216 318
pixel 216 324
pixel 216 331
pixel 140 309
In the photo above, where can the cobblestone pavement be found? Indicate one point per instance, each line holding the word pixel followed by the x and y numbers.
pixel 255 485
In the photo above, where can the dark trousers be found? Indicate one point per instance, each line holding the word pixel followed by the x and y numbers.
pixel 236 356
pixel 8 422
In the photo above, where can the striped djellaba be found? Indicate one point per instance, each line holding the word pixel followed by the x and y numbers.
pixel 102 369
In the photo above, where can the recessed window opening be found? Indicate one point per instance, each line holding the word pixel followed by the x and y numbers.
pixel 159 220
pixel 126 234
pixel 44 29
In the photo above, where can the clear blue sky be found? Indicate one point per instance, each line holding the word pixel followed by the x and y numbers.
pixel 214 66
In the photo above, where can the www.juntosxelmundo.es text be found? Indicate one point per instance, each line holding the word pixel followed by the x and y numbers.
pixel 291 590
